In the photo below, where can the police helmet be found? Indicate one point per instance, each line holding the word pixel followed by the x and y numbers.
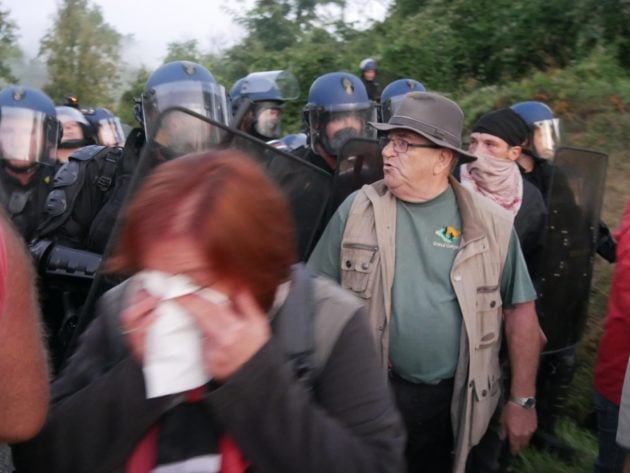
pixel 544 127
pixel 338 108
pixel 183 84
pixel 106 125
pixel 77 131
pixel 29 129
pixel 368 64
pixel 267 91
pixel 394 93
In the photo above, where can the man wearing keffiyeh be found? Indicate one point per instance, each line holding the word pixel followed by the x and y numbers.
pixel 497 140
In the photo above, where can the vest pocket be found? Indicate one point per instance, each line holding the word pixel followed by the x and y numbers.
pixel 358 267
pixel 485 399
pixel 488 306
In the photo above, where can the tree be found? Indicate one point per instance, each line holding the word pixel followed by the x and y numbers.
pixel 8 48
pixel 82 54
pixel 183 51
pixel 125 107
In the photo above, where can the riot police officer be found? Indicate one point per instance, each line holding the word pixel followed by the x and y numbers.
pixel 369 69
pixel 29 135
pixel 393 94
pixel 536 162
pixel 90 189
pixel 543 140
pixel 257 101
pixel 338 108
pixel 107 128
pixel 561 312
pixel 77 132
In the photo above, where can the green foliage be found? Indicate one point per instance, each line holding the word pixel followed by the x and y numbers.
pixel 82 54
pixel 538 461
pixel 183 51
pixel 128 98
pixel 8 48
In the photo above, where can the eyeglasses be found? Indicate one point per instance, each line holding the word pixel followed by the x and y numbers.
pixel 401 145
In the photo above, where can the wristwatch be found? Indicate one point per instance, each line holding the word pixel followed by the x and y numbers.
pixel 525 402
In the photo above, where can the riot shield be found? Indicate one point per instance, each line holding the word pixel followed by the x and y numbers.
pixel 179 132
pixel 306 187
pixel 575 200
pixel 359 162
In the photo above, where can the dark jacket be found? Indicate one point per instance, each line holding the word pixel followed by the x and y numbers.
pixel 530 224
pixel 347 423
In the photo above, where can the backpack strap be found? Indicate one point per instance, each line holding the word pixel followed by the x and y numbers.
pixel 70 180
pixel 310 321
pixel 293 325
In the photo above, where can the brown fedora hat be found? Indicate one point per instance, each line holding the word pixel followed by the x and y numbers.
pixel 438 119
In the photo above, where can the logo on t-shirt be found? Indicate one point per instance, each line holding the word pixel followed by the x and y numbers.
pixel 448 234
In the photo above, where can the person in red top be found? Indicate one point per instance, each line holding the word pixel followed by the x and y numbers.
pixel 23 366
pixel 612 356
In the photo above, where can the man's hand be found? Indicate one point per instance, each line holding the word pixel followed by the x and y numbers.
pixel 519 424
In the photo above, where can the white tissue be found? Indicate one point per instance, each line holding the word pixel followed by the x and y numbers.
pixel 173 361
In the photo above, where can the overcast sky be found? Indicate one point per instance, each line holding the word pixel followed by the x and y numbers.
pixel 154 23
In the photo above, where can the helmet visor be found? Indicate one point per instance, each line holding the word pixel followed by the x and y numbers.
pixel 27 136
pixel 333 129
pixel 268 119
pixel 277 85
pixel 389 108
pixel 203 98
pixel 546 137
pixel 110 132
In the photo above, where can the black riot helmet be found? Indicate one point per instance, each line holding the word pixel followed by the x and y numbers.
pixel 338 108
pixel 183 84
pixel 29 129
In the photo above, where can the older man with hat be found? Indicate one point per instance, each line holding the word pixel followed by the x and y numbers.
pixel 440 270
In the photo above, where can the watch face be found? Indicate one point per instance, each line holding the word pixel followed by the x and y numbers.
pixel 529 403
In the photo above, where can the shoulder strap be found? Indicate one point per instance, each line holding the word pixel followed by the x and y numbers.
pixel 68 182
pixel 293 325
pixel 310 322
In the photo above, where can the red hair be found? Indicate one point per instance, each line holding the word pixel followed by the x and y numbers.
pixel 224 202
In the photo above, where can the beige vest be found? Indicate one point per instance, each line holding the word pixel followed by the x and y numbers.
pixel 368 252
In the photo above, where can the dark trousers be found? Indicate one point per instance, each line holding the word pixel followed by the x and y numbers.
pixel 426 412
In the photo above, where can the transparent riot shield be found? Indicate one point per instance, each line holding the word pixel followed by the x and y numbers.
pixel 306 187
pixel 575 200
pixel 179 132
pixel 359 162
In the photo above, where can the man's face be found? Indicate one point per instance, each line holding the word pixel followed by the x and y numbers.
pixel 20 140
pixel 405 170
pixel 369 74
pixel 268 122
pixel 544 144
pixel 343 121
pixel 489 145
pixel 71 130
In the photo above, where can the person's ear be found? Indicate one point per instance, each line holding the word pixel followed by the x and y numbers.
pixel 445 161
pixel 514 152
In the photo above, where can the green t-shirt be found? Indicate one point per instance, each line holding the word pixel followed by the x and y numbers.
pixel 426 318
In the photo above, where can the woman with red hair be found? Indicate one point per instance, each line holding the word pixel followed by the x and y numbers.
pixel 196 362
